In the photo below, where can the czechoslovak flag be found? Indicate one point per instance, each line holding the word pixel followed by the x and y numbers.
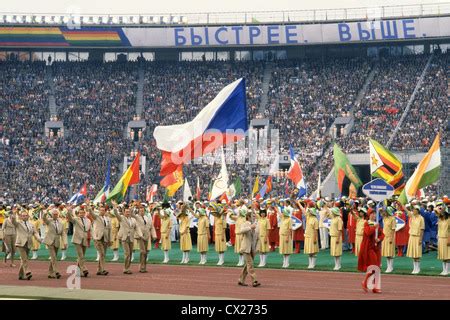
pixel 222 121
pixel 296 175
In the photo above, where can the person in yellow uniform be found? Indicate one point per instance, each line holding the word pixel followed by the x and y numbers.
pixel 443 236
pixel 185 235
pixel 239 215
pixel 311 236
pixel 36 222
pixel 166 228
pixel 115 224
pixel 262 231
pixel 416 228
pixel 336 228
pixel 219 213
pixel 388 244
pixel 286 242
pixel 64 242
pixel 202 234
pixel 360 221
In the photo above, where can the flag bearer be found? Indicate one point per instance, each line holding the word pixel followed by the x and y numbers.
pixel 388 245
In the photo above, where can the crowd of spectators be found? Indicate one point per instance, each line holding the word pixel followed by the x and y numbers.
pixel 96 101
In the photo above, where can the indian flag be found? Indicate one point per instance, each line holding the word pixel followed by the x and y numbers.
pixel 426 173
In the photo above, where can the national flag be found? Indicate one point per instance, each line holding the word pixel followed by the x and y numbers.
pixel 222 121
pixel 385 165
pixel 129 178
pixel 286 188
pixel 173 181
pixel 427 172
pixel 103 194
pixel 235 188
pixel 198 191
pixel 79 197
pixel 224 197
pixel 210 189
pixel 400 223
pixel 220 185
pixel 318 187
pixel 345 173
pixel 296 222
pixel 295 174
pixel 151 192
pixel 255 186
pixel 186 191
pixel 420 193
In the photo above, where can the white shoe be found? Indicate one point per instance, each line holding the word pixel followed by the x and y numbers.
pixel 229 244
pixel 186 261
pixel 49 258
pixel 98 258
pixel 132 257
pixel 313 262
pixel 35 256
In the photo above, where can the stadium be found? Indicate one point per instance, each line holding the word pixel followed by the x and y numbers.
pixel 94 105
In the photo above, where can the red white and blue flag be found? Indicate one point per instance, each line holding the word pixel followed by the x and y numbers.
pixel 222 121
pixel 79 197
pixel 295 174
pixel 267 187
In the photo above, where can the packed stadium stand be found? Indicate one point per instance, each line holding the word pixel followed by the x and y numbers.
pixel 96 100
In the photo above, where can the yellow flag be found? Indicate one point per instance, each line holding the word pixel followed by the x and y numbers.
pixel 171 189
pixel 255 186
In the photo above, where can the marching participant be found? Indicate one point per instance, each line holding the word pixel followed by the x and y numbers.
pixel 219 213
pixel 240 218
pixel 166 228
pixel 360 222
pixel 402 235
pixel 370 251
pixel 101 235
pixel 65 229
pixel 274 230
pixel 263 228
pixel 247 248
pixel 25 231
pixel 286 245
pixel 298 234
pixel 81 227
pixel 53 240
pixel 157 225
pixel 9 237
pixel 202 235
pixel 388 244
pixel 443 236
pixel 128 231
pixel 145 224
pixel 115 225
pixel 185 234
pixel 34 214
pixel 311 236
pixel 336 230
pixel 416 228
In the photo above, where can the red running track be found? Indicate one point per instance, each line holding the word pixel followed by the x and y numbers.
pixel 222 282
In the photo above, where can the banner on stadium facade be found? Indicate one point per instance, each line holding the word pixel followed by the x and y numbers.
pixel 227 35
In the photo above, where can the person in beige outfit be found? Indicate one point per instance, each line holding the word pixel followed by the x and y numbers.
pixel 24 234
pixel 53 240
pixel 81 227
pixel 145 224
pixel 102 236
pixel 247 248
pixel 128 231
pixel 9 238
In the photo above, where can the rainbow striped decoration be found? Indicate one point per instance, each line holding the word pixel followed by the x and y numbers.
pixel 62 37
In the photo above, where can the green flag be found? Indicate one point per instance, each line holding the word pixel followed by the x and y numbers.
pixel 343 170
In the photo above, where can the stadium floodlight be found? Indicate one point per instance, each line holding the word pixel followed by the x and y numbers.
pixel 156 19
pixel 28 19
pixel 48 19
pixel 175 19
pixel 2 19
pixel 144 19
pixel 57 19
pixel 38 19
pixel 9 19
pixel 105 20
pixel 66 19
pixel 124 19
pixel 184 19
pixel 95 20
pixel 165 19
pixel 18 19
pixel 77 20
pixel 115 19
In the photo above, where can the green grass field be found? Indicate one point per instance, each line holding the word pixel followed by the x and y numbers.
pixel 403 265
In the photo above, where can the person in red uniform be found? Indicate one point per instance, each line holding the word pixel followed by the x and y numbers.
pixel 402 235
pixel 274 236
pixel 370 250
pixel 351 225
pixel 157 225
pixel 298 235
